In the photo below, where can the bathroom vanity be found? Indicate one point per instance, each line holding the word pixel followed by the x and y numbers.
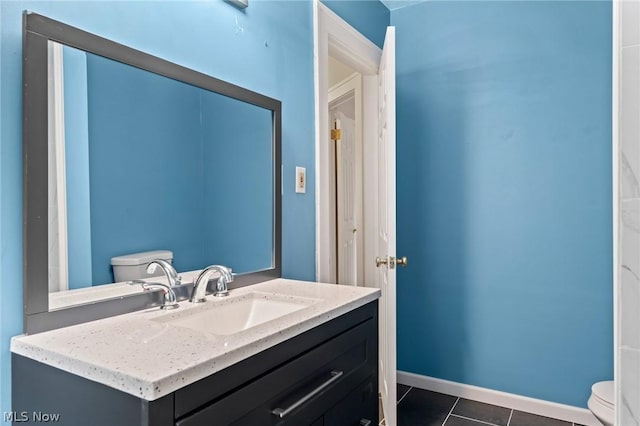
pixel 315 365
pixel 98 352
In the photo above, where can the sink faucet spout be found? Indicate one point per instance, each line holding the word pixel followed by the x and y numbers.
pixel 172 276
pixel 200 284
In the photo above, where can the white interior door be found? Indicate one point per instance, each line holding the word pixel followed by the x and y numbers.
pixel 345 103
pixel 386 227
pixel 346 166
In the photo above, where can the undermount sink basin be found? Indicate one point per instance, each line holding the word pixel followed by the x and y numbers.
pixel 237 313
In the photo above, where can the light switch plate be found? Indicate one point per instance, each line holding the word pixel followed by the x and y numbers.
pixel 301 180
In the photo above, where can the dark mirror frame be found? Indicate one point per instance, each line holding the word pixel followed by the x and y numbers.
pixel 38 30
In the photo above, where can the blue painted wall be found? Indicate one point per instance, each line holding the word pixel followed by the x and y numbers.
pixel 267 48
pixel 369 17
pixel 502 114
pixel 76 129
pixel 504 165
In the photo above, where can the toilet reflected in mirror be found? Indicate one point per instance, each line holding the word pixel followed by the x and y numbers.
pixel 131 267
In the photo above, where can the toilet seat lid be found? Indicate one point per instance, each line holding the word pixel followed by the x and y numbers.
pixel 604 392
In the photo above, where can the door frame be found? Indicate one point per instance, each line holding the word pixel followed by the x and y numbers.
pixel 615 190
pixel 351 88
pixel 333 36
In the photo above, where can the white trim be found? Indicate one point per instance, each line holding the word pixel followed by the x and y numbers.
pixel 503 399
pixel 334 36
pixel 58 245
pixel 615 191
pixel 348 45
pixel 344 88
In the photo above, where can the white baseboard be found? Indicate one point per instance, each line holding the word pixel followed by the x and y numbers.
pixel 540 407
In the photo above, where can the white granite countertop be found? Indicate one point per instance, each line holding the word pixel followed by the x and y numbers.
pixel 142 354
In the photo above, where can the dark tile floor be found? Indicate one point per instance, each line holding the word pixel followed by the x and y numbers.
pixel 419 407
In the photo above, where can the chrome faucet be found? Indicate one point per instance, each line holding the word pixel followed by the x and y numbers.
pixel 200 284
pixel 172 276
pixel 169 301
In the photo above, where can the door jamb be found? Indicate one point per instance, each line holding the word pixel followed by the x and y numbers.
pixel 332 35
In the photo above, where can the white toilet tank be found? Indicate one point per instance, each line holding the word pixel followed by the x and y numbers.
pixel 134 266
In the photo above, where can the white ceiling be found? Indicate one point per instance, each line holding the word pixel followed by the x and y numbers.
pixel 398 4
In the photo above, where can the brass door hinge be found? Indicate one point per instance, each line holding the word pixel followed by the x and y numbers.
pixel 335 134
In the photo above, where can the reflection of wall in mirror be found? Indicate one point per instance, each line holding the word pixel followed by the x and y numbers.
pixel 77 167
pixel 158 182
pixel 145 183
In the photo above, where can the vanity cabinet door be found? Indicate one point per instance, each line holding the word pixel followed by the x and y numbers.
pixel 319 422
pixel 302 390
pixel 359 408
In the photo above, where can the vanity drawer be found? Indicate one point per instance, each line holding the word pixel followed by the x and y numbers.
pixel 202 393
pixel 319 378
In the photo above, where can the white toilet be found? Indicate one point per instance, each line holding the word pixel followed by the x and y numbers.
pixel 601 402
pixel 134 266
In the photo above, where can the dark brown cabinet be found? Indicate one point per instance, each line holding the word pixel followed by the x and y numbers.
pixel 325 376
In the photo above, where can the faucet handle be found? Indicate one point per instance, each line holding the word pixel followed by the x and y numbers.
pixel 221 286
pixel 226 276
pixel 169 301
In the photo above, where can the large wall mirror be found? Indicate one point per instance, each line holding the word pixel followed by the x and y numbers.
pixel 126 153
